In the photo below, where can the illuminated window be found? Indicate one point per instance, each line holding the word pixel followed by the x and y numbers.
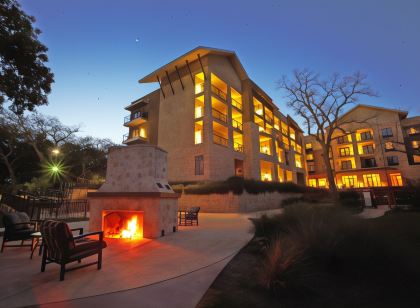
pixel 237 119
pixel 322 182
pixel 219 109
pixel 199 107
pixel 236 98
pixel 276 123
pixel 416 158
pixel 349 180
pixel 345 152
pixel 309 157
pixel 279 152
pixel 284 128
pixel 308 146
pixel 396 179
pixel 265 145
pixel 298 160
pixel 292 133
pixel 366 149
pixel 260 122
pixel 266 170
pixel 198 132
pixel 289 176
pixel 258 107
pixel 218 87
pixel 142 132
pixel 220 134
pixel 199 83
pixel 372 180
pixel 238 142
pixel 298 148
pixel 199 165
pixel 285 142
pixel 292 144
pixel 268 115
pixel 312 182
pixel 415 144
pixel 389 146
pixel 413 131
pixel 280 174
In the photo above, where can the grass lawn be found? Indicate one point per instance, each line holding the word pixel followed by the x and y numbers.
pixel 324 260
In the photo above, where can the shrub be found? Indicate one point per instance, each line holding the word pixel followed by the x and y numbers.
pixel 351 200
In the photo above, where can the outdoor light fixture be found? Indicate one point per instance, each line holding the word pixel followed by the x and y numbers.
pixel 55 151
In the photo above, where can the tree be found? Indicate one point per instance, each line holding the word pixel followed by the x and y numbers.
pixel 321 103
pixel 8 139
pixel 25 81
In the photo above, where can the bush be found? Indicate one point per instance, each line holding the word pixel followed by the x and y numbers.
pixel 351 200
pixel 309 247
pixel 237 185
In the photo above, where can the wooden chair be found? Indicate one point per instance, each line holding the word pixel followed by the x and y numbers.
pixel 61 247
pixel 18 227
pixel 189 217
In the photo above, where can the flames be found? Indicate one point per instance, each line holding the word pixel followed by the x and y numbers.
pixel 132 229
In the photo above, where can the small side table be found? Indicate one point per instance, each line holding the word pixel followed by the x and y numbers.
pixel 37 240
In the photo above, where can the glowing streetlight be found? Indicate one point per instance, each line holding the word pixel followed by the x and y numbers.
pixel 55 151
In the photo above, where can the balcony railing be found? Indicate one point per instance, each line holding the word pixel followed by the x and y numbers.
pixel 125 137
pixel 218 92
pixel 220 140
pixel 238 147
pixel 236 104
pixel 218 115
pixel 237 124
pixel 134 116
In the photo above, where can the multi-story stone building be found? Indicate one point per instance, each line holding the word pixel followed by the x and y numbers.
pixel 215 122
pixel 377 147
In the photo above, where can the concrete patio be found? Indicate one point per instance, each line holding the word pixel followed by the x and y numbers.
pixel 174 270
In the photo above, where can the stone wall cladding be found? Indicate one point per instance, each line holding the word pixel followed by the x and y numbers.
pixel 231 203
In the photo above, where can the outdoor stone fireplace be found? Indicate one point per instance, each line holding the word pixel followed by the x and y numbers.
pixel 136 200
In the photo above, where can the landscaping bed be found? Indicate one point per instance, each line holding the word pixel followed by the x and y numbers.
pixel 314 256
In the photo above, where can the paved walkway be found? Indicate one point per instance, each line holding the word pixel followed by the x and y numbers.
pixel 174 271
pixel 374 212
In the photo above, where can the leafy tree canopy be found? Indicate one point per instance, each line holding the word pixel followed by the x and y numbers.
pixel 25 81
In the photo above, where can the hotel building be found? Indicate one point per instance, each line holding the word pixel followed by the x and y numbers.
pixel 377 147
pixel 215 122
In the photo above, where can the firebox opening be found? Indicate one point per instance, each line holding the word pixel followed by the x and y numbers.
pixel 122 224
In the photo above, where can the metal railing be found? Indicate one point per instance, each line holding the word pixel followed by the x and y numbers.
pixel 134 116
pixel 220 140
pixel 237 124
pixel 238 147
pixel 219 115
pixel 218 92
pixel 236 104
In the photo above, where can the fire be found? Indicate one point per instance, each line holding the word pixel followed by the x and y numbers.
pixel 132 231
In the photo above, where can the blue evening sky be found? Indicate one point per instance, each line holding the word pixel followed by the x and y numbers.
pixel 98 49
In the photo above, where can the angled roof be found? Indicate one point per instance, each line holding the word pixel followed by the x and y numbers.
pixel 403 114
pixel 191 56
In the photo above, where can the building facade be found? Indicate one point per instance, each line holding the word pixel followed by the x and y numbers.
pixel 377 147
pixel 215 122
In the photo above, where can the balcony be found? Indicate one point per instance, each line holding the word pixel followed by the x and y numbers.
pixel 237 125
pixel 236 104
pixel 218 92
pixel 219 115
pixel 220 140
pixel 127 139
pixel 135 118
pixel 238 147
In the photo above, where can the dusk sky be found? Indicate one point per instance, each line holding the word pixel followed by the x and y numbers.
pixel 98 49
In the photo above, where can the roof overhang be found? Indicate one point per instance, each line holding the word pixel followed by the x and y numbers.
pixel 191 56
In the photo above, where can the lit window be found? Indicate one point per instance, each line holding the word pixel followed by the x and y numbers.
pixel 312 182
pixel 142 132
pixel 308 146
pixel 389 146
pixel 266 170
pixel 285 142
pixel 280 174
pixel 198 132
pixel 322 182
pixel 199 107
pixel 298 160
pixel 372 180
pixel 199 83
pixel 349 180
pixel 413 131
pixel 396 179
pixel 236 98
pixel 415 144
pixel 289 176
pixel 276 123
pixel 284 128
pixel 265 145
pixel 310 157
pixel 292 133
pixel 345 152
pixel 258 107
pixel 218 87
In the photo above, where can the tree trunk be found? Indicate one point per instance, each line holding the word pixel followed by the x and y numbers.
pixel 11 174
pixel 38 152
pixel 330 173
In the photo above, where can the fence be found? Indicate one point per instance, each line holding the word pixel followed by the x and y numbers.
pixel 46 208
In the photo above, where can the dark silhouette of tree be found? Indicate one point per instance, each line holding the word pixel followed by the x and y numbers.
pixel 321 103
pixel 25 81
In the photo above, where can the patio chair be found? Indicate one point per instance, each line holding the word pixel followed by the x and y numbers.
pixel 61 247
pixel 18 227
pixel 189 217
